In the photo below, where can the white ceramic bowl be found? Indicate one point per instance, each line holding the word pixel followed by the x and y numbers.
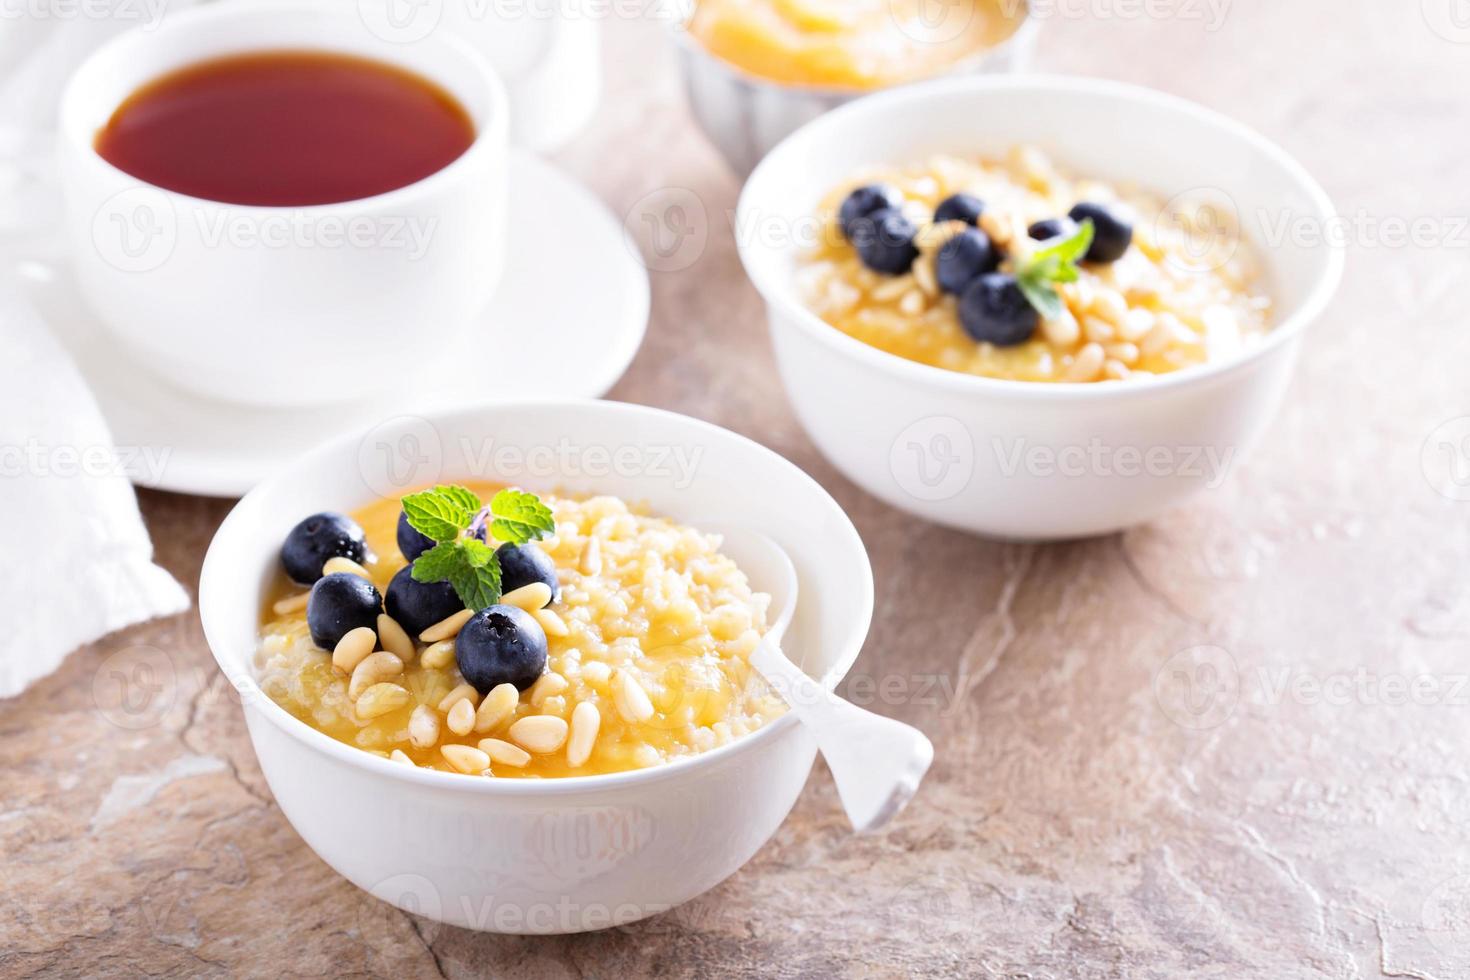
pixel 1020 459
pixel 555 855
pixel 248 303
pixel 745 115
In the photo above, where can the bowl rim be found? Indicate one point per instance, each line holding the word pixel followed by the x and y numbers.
pixel 1027 27
pixel 781 295
pixel 217 568
pixel 490 138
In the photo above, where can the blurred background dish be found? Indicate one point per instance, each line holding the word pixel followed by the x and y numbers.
pixel 549 54
pixel 756 72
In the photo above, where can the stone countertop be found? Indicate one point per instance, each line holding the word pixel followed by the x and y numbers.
pixel 1300 810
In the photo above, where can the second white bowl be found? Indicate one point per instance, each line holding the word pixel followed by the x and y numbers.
pixel 1024 459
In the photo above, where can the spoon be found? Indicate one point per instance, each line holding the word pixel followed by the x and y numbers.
pixel 877 762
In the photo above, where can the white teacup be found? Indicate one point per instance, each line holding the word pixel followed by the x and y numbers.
pixel 284 305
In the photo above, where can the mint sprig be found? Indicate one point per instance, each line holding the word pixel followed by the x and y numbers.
pixel 1039 274
pixel 452 517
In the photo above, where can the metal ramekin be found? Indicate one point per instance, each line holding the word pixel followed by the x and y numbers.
pixel 745 116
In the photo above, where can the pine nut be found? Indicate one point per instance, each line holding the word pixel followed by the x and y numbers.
pixel 630 698
pixel 380 699
pixel 551 623
pixel 1115 370
pixel 1062 330
pixel 340 564
pixel 1086 365
pixel 590 562
pixel 463 691
pixel 465 758
pixel 1082 293
pixel 398 755
pixel 931 238
pixel 995 225
pixel 1110 305
pixel 1097 329
pixel 891 289
pixel 924 275
pixel 539 733
pixel 596 673
pixel 586 719
pixel 461 717
pixel 353 648
pixel 1157 339
pixel 291 604
pixel 504 753
pixel 1125 352
pixel 546 685
pixel 1136 325
pixel 439 655
pixel 423 727
pixel 374 669
pixel 446 628
pixel 393 638
pixel 529 597
pixel 497 706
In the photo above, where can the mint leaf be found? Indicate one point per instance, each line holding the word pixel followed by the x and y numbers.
pixel 1070 250
pixel 438 563
pixel 519 517
pixel 1042 296
pixel 477 553
pixel 1038 275
pixel 478 586
pixel 468 565
pixel 441 512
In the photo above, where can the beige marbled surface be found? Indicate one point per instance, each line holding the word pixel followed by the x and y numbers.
pixel 1071 826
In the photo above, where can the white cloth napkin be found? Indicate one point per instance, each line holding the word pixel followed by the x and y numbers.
pixel 75 560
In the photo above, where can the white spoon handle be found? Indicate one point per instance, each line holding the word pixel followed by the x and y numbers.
pixel 876 762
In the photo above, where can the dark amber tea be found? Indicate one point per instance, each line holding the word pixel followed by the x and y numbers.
pixel 286 128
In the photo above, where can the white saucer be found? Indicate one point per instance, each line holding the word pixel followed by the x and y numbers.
pixel 574 289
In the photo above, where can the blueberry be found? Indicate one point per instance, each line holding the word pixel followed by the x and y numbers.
pixel 863 202
pixel 1112 230
pixel 994 309
pixel 1052 228
pixel 526 564
pixel 319 537
pixel 885 242
pixel 501 645
pixel 962 258
pixel 418 605
pixel 959 207
pixel 410 542
pixel 338 604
